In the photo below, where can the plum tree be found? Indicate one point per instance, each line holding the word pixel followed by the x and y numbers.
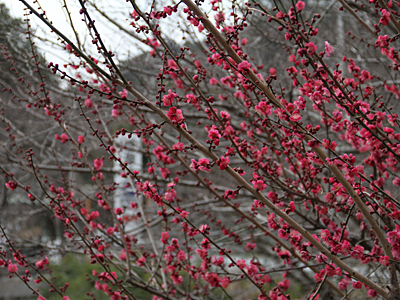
pixel 253 155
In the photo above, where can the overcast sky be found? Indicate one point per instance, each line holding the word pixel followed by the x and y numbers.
pixel 53 8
